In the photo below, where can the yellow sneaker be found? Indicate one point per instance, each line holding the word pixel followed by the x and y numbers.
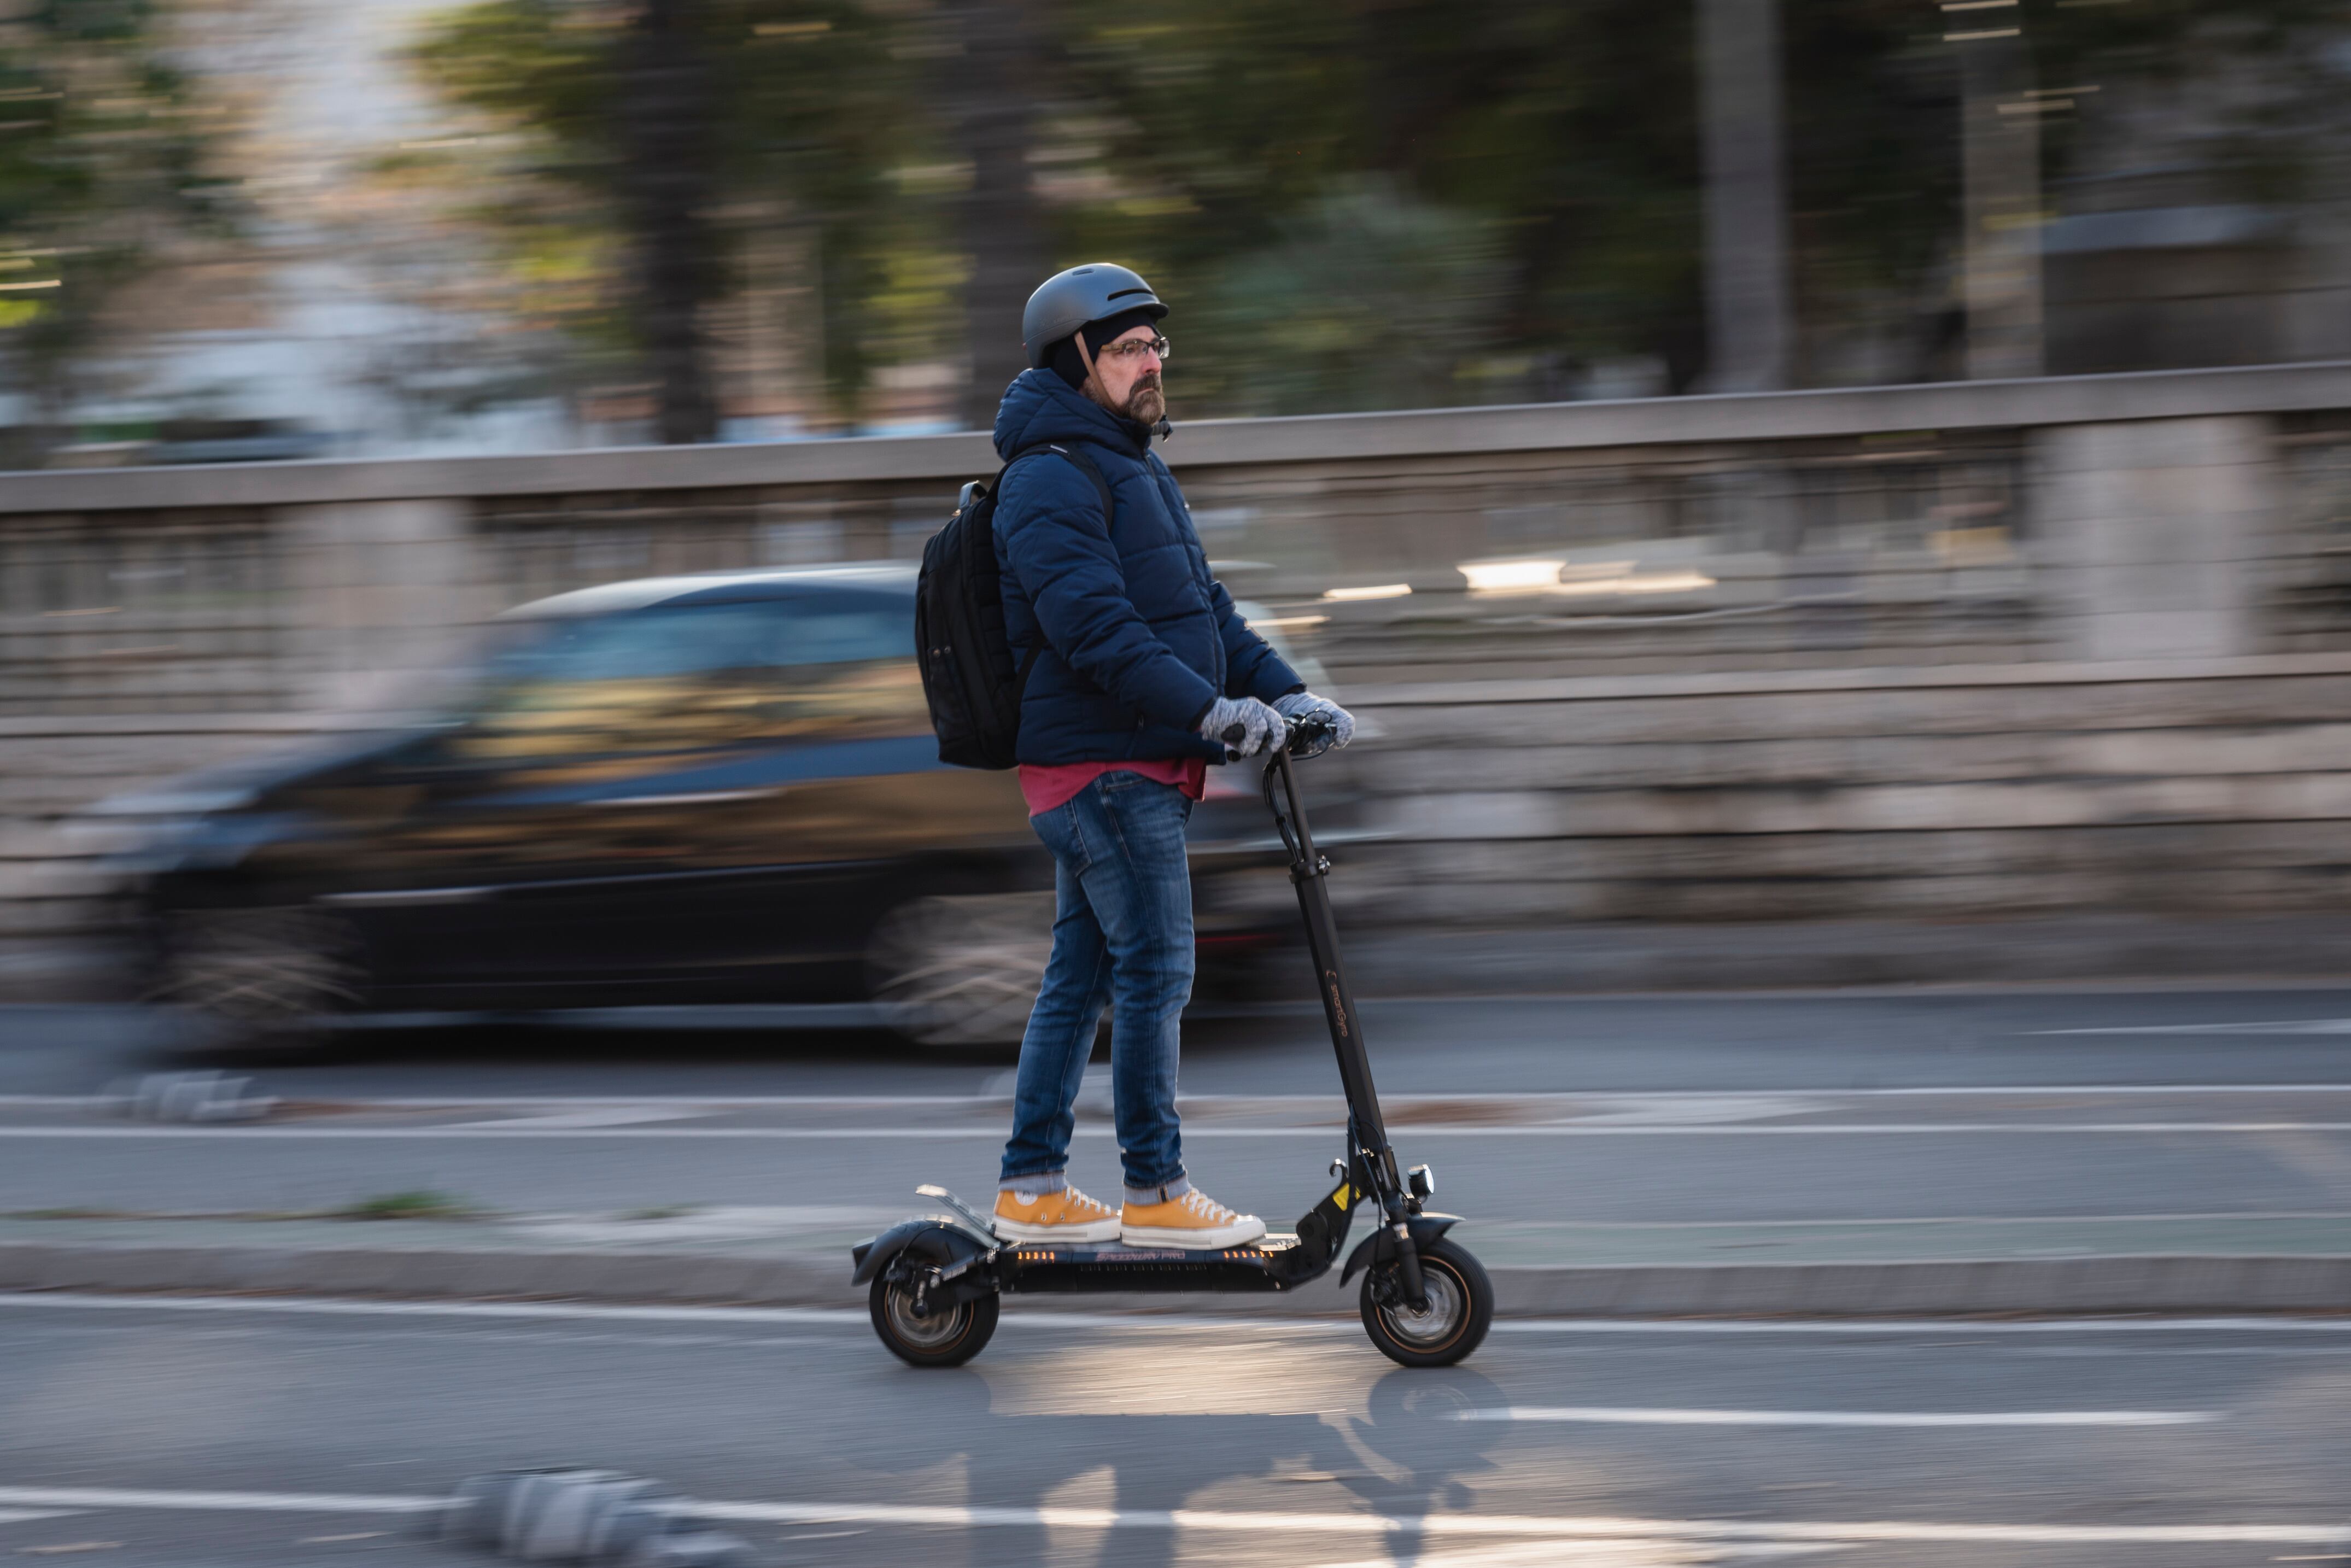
pixel 1194 1220
pixel 1068 1215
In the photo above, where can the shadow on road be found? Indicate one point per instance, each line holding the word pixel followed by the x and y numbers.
pixel 1404 1458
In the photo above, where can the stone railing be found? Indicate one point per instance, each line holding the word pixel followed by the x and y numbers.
pixel 1957 649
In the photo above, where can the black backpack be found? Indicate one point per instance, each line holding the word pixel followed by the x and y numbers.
pixel 969 678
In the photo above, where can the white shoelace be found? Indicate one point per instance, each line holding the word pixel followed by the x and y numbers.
pixel 1207 1208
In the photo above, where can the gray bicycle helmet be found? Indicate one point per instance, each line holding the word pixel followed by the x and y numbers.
pixel 1068 301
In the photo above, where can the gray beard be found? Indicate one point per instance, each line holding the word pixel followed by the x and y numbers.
pixel 1146 404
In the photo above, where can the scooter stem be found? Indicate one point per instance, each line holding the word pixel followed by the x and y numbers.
pixel 1308 872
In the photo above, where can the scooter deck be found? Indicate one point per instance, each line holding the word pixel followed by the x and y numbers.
pixel 1277 1262
pixel 1043 1268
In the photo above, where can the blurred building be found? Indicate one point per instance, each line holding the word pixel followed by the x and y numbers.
pixel 2206 221
pixel 308 333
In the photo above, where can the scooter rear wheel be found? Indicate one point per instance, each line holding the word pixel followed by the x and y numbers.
pixel 1460 1309
pixel 946 1338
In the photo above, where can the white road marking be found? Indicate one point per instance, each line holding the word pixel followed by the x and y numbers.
pixel 1593 1527
pixel 27 1515
pixel 1599 1554
pixel 582 1312
pixel 1021 1316
pixel 222 1501
pixel 69 1548
pixel 527 1129
pixel 1612 1415
pixel 525 1102
pixel 584 1118
pixel 1918 1326
pixel 2281 1026
pixel 717 1103
pixel 329 1307
pixel 1939 1219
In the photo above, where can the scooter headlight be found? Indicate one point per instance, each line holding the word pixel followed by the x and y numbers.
pixel 1421 1180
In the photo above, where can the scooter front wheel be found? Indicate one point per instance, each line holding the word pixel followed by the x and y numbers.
pixel 943 1338
pixel 1460 1309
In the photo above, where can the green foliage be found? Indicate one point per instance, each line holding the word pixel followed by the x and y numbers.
pixel 1351 203
pixel 1559 143
pixel 812 110
pixel 1370 299
pixel 1483 190
pixel 98 164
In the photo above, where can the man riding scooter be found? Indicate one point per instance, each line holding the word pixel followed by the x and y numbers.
pixel 1141 674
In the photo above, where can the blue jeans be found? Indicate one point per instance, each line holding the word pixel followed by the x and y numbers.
pixel 1121 935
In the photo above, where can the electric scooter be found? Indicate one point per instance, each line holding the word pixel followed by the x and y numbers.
pixel 938 1279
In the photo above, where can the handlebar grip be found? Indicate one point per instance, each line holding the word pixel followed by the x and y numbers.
pixel 1309 735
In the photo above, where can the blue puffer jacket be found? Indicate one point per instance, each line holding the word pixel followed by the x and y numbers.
pixel 1136 638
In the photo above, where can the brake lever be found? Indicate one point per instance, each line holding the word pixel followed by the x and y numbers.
pixel 1304 731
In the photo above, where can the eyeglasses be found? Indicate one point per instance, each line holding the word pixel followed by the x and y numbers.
pixel 1129 350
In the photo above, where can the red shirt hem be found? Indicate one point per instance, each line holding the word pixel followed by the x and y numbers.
pixel 1046 786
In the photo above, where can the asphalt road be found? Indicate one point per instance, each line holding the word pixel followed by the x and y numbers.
pixel 1849 1039
pixel 1719 1109
pixel 1073 1437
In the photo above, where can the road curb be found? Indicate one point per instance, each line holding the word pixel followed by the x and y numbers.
pixel 2103 1285
pixel 2110 1284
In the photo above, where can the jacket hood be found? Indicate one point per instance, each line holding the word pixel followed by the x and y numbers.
pixel 1039 406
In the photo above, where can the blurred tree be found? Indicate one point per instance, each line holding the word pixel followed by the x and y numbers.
pixel 1369 297
pixel 101 169
pixel 675 126
pixel 1213 136
pixel 1534 205
pixel 1353 203
pixel 1874 190
pixel 989 86
pixel 1749 316
pixel 1875 103
pixel 668 169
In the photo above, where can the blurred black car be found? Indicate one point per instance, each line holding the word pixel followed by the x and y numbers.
pixel 708 789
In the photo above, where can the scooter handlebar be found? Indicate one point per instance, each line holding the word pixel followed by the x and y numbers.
pixel 1298 737
pixel 1304 730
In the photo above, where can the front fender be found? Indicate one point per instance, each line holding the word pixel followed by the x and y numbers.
pixel 1379 1247
pixel 932 1239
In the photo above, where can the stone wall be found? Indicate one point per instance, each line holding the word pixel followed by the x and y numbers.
pixel 2182 788
pixel 1962 649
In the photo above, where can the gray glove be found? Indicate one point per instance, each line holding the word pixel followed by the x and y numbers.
pixel 1303 705
pixel 1257 724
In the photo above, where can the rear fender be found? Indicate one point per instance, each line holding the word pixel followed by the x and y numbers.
pixel 1380 1245
pixel 937 1241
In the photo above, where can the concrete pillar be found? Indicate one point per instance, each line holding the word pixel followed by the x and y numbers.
pixel 384 595
pixel 2154 529
pixel 1750 320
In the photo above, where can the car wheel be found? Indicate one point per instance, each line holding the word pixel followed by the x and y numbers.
pixel 962 970
pixel 259 975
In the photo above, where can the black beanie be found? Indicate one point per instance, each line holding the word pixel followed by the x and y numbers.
pixel 1071 367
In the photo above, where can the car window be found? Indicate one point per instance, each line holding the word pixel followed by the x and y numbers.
pixel 680 677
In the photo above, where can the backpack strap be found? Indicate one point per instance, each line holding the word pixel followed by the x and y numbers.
pixel 1076 455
